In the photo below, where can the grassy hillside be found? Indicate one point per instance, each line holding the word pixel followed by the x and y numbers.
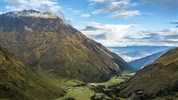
pixel 18 82
pixel 155 80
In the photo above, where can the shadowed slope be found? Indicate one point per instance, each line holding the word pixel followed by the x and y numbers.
pixel 18 82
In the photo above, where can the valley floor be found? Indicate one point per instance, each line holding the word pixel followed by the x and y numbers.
pixel 77 90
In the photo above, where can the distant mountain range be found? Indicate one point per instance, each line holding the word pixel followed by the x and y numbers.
pixel 131 53
pixel 142 62
pixel 44 41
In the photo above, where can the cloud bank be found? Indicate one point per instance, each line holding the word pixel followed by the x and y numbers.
pixel 113 35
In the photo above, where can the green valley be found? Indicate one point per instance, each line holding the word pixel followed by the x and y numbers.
pixel 43 57
pixel 77 89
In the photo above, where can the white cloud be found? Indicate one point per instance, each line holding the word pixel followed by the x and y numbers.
pixel 168 31
pixel 116 8
pixel 86 15
pixel 99 1
pixel 128 35
pixel 40 5
pixel 125 14
pixel 116 32
pixel 128 58
pixel 107 34
pixel 14 0
pixel 76 11
pixel 163 32
pixel 174 40
pixel 111 6
pixel 111 31
pixel 164 37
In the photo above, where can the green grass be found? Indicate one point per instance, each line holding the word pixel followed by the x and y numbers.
pixel 117 79
pixel 57 80
pixel 67 84
pixel 79 93
pixel 84 94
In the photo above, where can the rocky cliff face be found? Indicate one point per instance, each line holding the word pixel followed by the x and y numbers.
pixel 45 41
pixel 19 82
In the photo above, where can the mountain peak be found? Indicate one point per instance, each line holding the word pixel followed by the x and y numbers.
pixel 50 44
pixel 32 13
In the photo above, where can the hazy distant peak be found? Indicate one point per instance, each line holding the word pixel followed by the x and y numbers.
pixel 31 13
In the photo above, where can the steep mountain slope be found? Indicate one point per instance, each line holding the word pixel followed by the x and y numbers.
pixel 142 62
pixel 18 82
pixel 44 41
pixel 158 79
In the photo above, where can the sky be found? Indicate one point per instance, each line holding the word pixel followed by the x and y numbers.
pixel 112 22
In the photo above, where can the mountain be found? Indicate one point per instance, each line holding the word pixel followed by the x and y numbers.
pixel 19 82
pixel 131 53
pixel 44 41
pixel 142 62
pixel 157 79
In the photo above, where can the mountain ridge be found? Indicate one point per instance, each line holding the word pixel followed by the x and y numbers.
pixel 142 62
pixel 31 13
pixel 51 44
